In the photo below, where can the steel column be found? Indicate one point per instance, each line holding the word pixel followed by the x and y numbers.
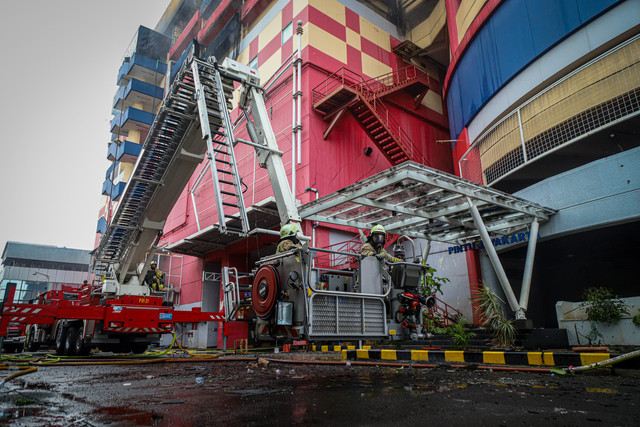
pixel 495 261
pixel 528 265
pixel 425 252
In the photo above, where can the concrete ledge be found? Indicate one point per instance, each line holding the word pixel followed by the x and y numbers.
pixel 520 358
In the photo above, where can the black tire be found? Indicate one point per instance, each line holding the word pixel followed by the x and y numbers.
pixel 61 338
pixel 139 347
pixel 29 344
pixel 34 346
pixel 70 342
pixel 79 347
pixel 123 347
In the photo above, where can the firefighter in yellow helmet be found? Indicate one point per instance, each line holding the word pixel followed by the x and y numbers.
pixel 288 238
pixel 154 277
pixel 375 245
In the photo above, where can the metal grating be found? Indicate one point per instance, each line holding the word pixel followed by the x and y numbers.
pixel 598 94
pixel 323 312
pixel 343 316
pixel 422 202
pixel 350 315
pixel 374 317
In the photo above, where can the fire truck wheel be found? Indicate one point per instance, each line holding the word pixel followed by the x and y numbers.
pixel 70 342
pixel 265 291
pixel 29 344
pixel 79 347
pixel 139 347
pixel 61 338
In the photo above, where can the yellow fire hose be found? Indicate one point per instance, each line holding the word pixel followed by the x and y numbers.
pixel 601 364
pixel 22 371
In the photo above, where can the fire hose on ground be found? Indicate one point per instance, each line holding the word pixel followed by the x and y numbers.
pixel 601 364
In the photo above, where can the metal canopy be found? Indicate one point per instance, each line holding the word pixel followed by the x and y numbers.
pixel 422 202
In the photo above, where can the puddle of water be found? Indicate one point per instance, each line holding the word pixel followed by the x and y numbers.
pixel 16 413
pixel 129 415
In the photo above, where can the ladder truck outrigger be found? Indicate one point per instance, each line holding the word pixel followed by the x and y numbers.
pixel 291 296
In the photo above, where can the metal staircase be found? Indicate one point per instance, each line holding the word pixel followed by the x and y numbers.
pixel 345 90
pixel 192 122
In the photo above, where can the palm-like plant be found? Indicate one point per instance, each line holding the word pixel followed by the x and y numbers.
pixel 490 306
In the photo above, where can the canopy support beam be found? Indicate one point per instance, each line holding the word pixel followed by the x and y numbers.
pixel 495 261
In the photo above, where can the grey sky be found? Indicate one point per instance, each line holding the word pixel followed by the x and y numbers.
pixel 60 61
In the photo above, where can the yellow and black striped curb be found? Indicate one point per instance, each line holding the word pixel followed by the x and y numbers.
pixel 337 348
pixel 520 358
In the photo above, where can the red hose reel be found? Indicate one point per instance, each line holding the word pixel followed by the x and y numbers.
pixel 265 291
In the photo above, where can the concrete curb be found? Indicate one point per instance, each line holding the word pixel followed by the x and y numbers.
pixel 519 358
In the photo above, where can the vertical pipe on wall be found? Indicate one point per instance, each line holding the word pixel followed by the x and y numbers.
pixel 299 92
pixel 293 134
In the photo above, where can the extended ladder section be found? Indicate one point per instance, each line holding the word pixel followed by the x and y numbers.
pixel 210 95
pixel 193 123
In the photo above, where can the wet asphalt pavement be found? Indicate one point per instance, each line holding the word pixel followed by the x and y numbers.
pixel 243 393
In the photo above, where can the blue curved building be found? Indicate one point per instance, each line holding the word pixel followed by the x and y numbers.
pixel 543 100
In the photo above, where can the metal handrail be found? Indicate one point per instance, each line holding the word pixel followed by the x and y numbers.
pixel 367 91
pixel 348 248
pixel 400 76
pixel 342 76
pixel 394 128
pixel 447 310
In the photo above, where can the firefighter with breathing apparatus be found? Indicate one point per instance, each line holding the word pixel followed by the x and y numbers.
pixel 154 278
pixel 375 245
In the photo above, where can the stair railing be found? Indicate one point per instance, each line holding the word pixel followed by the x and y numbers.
pixel 444 311
pixel 367 90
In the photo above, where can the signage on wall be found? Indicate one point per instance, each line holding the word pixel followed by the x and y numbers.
pixel 497 241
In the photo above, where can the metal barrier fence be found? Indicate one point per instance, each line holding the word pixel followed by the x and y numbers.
pixel 599 94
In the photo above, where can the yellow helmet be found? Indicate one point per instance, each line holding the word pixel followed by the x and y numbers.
pixel 378 229
pixel 288 230
pixel 378 235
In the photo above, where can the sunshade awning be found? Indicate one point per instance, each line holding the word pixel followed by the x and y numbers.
pixel 422 202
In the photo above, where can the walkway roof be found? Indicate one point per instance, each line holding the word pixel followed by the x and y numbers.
pixel 422 202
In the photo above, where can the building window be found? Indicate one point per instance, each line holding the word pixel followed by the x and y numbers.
pixel 287 32
pixel 254 62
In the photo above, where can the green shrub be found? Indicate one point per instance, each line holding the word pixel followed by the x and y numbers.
pixel 602 306
pixel 430 284
pixel 459 333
